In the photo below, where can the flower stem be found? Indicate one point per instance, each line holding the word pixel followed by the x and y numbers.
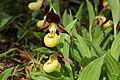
pixel 90 33
pixel 115 33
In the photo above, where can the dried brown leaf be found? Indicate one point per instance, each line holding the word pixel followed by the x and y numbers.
pixel 25 55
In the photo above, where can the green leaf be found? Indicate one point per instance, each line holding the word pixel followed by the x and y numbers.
pixel 70 26
pixel 107 42
pixel 73 30
pixel 56 5
pixel 75 1
pixel 101 36
pixel 92 70
pixel 66 18
pixel 4 75
pixel 22 33
pixel 14 72
pixel 66 52
pixel 85 61
pixel 51 76
pixel 114 5
pixel 91 16
pixel 4 22
pixel 79 12
pixel 3 15
pixel 113 67
pixel 66 46
pixel 38 35
pixel 76 54
pixel 85 34
pixel 5 19
pixel 96 4
pixel 91 12
pixel 67 38
pixel 115 48
pixel 82 47
pixel 15 17
pixel 7 52
pixel 99 51
pixel 43 50
pixel 70 16
pixel 118 78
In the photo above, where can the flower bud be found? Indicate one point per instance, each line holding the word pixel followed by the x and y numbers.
pixel 41 22
pixel 35 5
pixel 105 2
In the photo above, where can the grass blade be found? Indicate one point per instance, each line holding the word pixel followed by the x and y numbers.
pixel 4 75
pixel 7 52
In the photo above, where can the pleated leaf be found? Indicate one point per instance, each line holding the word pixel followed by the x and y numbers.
pixel 115 49
pixel 99 51
pixel 82 47
pixel 92 70
pixel 118 78
pixel 113 67
pixel 100 37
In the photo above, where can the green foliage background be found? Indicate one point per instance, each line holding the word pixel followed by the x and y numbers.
pixel 94 50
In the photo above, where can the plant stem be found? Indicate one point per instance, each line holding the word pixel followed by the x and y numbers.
pixel 96 6
pixel 115 31
pixel 90 33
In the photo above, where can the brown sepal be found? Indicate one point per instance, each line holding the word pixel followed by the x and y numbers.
pixel 104 9
pixel 69 61
pixel 118 26
pixel 52 17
